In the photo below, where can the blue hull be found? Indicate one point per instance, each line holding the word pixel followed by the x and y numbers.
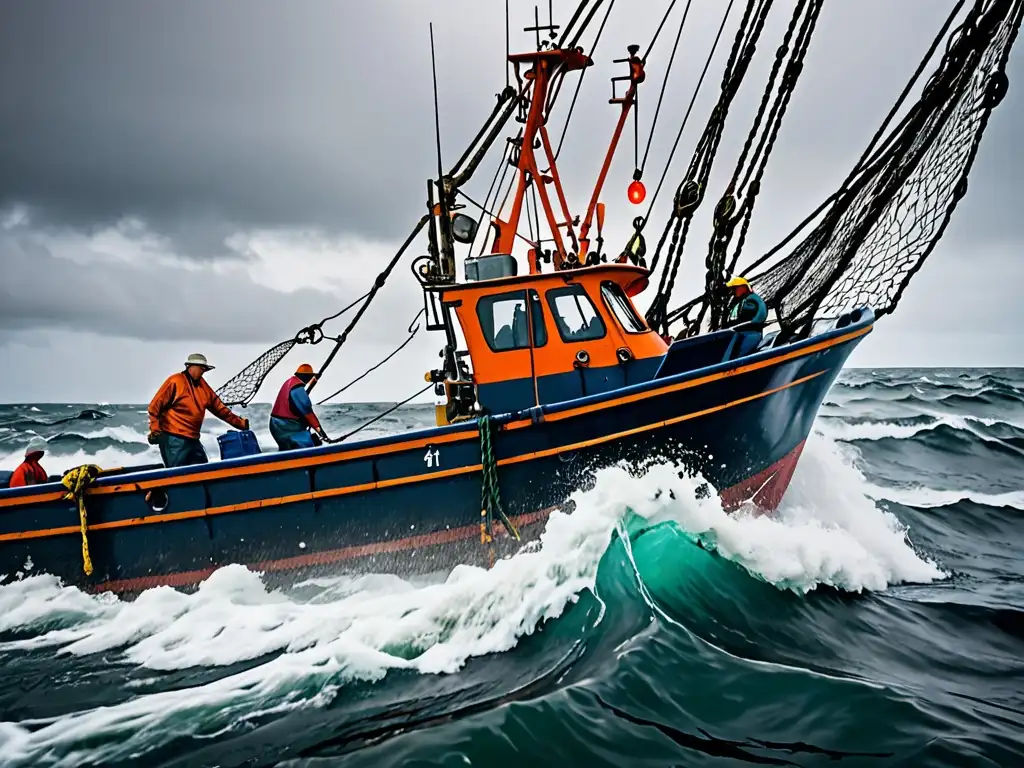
pixel 411 503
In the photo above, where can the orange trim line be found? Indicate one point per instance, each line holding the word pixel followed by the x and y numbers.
pixel 331 492
pixel 381 450
pixel 463 533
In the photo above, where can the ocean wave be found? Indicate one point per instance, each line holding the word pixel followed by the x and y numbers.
pixel 828 532
pixel 872 429
pixel 27 422
pixel 922 497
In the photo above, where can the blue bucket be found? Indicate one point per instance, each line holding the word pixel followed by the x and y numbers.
pixel 234 445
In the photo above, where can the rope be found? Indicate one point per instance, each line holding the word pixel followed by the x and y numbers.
pixel 377 285
pixel 730 212
pixel 244 386
pixel 77 481
pixel 892 209
pixel 490 495
pixel 664 84
pixel 412 331
pixel 583 72
pixel 379 416
pixel 690 192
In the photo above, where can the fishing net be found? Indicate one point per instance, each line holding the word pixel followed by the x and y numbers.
pixel 865 243
pixel 242 388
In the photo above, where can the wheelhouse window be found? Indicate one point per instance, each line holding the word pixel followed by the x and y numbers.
pixel 504 323
pixel 575 315
pixel 620 306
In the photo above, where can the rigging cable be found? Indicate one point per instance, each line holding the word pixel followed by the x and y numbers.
pixel 379 416
pixel 689 109
pixel 865 160
pixel 502 164
pixel 668 69
pixel 729 212
pixel 489 213
pixel 378 283
pixel 412 330
pixel 583 72
pixel 690 193
pixel 896 203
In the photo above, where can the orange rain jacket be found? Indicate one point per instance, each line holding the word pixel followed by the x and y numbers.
pixel 179 406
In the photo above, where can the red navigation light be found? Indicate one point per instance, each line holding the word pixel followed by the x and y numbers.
pixel 636 192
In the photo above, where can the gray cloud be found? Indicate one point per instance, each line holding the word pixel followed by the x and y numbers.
pixel 165 302
pixel 207 119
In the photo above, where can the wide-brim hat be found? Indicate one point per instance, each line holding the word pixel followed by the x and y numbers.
pixel 199 360
pixel 35 445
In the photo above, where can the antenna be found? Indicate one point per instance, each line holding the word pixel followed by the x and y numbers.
pixel 508 50
pixel 437 112
pixel 447 254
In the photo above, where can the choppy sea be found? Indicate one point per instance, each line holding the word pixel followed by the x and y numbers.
pixel 878 619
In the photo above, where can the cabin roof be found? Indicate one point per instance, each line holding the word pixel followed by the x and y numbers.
pixel 633 279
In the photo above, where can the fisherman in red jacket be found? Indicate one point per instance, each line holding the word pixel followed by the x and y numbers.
pixel 292 417
pixel 30 472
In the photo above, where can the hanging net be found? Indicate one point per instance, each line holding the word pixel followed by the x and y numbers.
pixel 242 388
pixel 865 243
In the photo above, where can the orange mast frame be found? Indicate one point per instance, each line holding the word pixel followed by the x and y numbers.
pixel 546 70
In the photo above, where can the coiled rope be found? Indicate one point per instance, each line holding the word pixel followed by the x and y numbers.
pixel 77 481
pixel 490 494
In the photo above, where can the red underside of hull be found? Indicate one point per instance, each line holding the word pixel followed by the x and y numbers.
pixel 765 489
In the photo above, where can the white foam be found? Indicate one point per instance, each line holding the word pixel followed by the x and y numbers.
pixel 828 532
pixel 106 458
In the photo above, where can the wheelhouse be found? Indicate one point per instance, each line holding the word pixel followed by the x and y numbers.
pixel 545 338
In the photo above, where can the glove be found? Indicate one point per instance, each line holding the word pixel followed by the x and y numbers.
pixel 153 438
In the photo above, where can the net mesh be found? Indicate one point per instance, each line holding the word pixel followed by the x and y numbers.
pixel 879 228
pixel 242 388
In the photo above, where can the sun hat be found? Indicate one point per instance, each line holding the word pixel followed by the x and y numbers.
pixel 199 360
pixel 35 445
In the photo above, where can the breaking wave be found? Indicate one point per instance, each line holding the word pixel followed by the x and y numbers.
pixel 282 650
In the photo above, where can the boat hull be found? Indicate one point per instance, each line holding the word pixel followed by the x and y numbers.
pixel 411 503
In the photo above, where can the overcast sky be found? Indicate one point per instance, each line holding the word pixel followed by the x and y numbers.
pixel 194 176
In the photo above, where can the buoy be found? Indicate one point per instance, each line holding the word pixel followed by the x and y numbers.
pixel 636 192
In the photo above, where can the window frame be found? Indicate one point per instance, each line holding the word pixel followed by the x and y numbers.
pixel 644 328
pixel 526 293
pixel 575 290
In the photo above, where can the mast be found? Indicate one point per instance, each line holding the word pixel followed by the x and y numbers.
pixel 539 75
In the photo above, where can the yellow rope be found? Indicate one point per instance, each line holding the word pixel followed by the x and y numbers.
pixel 77 480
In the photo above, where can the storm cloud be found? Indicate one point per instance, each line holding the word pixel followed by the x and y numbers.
pixel 254 163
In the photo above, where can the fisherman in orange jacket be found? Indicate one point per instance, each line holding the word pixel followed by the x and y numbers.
pixel 177 410
pixel 30 472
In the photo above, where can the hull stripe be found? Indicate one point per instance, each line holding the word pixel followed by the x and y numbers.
pixel 333 492
pixel 186 578
pixel 334 458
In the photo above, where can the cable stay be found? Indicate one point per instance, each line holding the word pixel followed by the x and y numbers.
pixel 690 192
pixel 412 330
pixel 737 204
pixel 864 243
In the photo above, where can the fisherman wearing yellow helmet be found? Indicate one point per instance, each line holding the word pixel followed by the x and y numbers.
pixel 747 315
pixel 292 417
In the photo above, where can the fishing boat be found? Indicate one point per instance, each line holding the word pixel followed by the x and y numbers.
pixel 549 370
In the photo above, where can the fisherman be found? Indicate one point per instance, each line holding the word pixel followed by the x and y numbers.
pixel 177 410
pixel 292 417
pixel 747 315
pixel 30 472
